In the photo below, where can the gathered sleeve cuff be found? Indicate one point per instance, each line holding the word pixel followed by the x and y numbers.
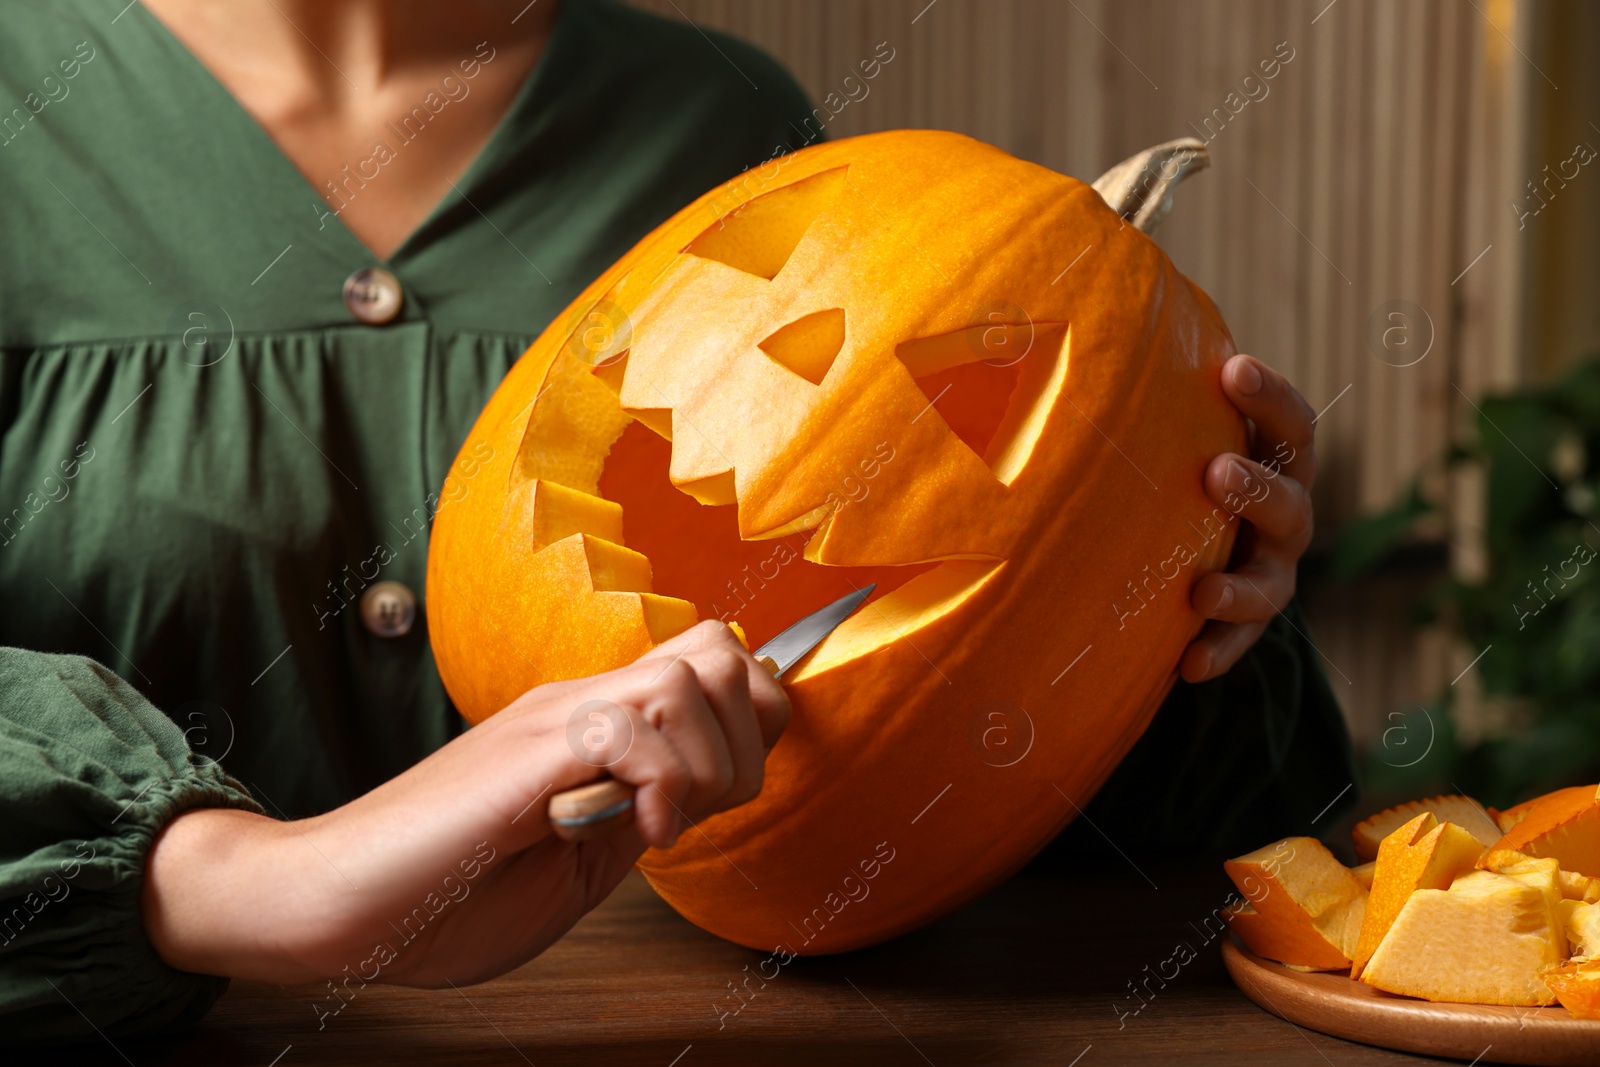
pixel 90 774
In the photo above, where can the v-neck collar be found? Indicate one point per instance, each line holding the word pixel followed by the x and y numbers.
pixel 499 144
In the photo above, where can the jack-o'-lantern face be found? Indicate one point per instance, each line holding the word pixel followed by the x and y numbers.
pixel 906 359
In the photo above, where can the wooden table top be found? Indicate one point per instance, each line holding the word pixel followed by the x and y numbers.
pixel 1039 971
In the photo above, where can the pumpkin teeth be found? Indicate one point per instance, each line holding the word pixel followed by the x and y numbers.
pixel 615 571
pixel 559 512
pixel 657 419
pixel 610 567
pixel 814 519
pixel 665 617
pixel 714 490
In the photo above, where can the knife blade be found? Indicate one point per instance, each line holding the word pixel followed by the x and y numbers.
pixel 601 808
pixel 791 646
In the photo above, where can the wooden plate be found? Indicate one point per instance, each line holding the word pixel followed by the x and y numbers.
pixel 1333 1004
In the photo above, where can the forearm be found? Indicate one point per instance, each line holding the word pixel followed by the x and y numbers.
pixel 244 896
pixel 225 894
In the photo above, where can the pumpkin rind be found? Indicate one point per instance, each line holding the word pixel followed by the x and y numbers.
pixel 1071 536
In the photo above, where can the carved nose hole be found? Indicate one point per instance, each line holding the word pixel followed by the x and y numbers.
pixel 808 345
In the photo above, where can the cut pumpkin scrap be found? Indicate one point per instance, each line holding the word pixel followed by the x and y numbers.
pixel 1421 854
pixel 1542 875
pixel 1577 986
pixel 1451 913
pixel 1581 923
pixel 1463 811
pixel 1573 886
pixel 1513 815
pixel 1565 826
pixel 1488 939
pixel 1363 874
pixel 1303 907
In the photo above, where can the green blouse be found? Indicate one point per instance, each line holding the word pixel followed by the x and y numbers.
pixel 206 455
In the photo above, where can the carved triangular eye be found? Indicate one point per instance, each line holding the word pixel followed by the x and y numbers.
pixel 760 236
pixel 992 385
pixel 808 345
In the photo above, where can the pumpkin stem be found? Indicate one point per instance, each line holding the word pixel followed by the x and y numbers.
pixel 1140 187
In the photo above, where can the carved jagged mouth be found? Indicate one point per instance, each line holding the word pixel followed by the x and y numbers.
pixel 687 560
pixel 586 461
pixel 587 468
pixel 599 444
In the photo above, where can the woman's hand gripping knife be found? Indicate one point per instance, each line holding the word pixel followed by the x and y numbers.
pixel 450 872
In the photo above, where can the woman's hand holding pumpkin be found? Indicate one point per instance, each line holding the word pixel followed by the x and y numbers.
pixel 1271 492
pixel 450 872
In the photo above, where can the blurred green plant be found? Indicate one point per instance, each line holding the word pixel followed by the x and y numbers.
pixel 1536 611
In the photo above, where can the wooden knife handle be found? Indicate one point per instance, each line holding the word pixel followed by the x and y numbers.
pixel 601 808
pixel 592 811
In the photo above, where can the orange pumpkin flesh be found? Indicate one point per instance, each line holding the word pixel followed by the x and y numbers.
pixel 1577 986
pixel 872 366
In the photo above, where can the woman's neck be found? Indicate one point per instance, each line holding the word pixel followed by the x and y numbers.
pixel 344 46
pixel 332 81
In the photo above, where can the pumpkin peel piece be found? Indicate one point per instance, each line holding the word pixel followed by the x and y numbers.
pixel 1565 827
pixel 1307 905
pixel 1517 812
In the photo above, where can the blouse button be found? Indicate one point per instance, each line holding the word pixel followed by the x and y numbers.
pixel 388 609
pixel 373 295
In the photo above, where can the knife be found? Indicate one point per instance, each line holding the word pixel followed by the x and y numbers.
pixel 600 808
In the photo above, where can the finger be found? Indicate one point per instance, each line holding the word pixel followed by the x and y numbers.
pixel 770 702
pixel 673 701
pixel 1217 649
pixel 1276 504
pixel 661 777
pixel 1285 423
pixel 724 678
pixel 1254 592
pixel 707 634
pixel 767 697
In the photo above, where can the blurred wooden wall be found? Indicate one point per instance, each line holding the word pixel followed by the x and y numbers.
pixel 1377 166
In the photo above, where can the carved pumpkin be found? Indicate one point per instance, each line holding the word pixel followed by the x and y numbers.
pixel 906 358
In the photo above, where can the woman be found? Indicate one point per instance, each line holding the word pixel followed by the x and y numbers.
pixel 264 262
